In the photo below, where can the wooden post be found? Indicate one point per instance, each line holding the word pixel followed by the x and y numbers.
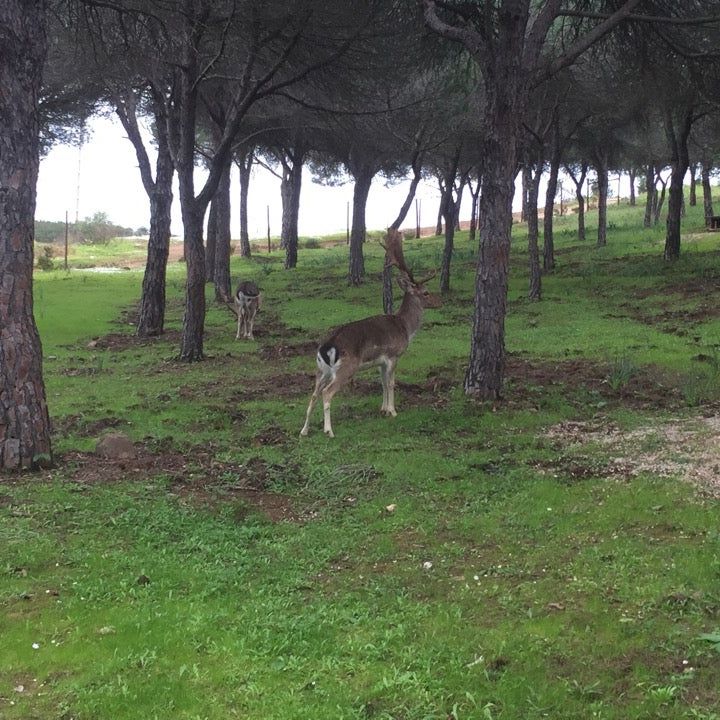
pixel 268 226
pixel 66 241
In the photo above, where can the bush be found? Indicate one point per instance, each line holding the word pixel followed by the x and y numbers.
pixel 45 260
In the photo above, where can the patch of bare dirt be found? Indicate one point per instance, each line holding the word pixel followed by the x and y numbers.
pixel 125 341
pixel 78 425
pixel 281 351
pixel 688 449
pixel 433 392
pixel 198 477
pixel 646 388
pixel 679 321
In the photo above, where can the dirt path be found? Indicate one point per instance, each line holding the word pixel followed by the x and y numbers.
pixel 685 448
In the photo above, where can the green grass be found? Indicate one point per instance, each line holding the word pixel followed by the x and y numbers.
pixel 517 574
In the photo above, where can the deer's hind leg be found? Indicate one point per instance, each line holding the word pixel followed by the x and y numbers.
pixel 241 315
pixel 311 405
pixel 250 320
pixel 321 382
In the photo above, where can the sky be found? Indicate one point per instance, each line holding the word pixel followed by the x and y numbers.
pixel 103 176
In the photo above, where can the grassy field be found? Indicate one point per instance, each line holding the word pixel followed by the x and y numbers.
pixel 553 555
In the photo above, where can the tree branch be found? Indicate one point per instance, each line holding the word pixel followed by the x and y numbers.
pixel 585 42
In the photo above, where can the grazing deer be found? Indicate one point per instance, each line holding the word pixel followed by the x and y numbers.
pixel 378 340
pixel 247 303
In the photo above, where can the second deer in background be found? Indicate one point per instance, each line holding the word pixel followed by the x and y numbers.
pixel 247 303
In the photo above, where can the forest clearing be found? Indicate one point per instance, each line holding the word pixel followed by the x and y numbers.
pixel 552 554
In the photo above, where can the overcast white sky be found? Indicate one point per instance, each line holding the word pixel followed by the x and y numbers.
pixel 109 181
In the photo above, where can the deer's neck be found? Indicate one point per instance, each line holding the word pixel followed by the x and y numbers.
pixel 410 312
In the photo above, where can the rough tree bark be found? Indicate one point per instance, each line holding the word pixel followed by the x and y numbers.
pixel 526 179
pixel 245 163
pixel 707 192
pixel 602 180
pixel 632 172
pixel 486 366
pixel 659 199
pixel 449 209
pixel 290 187
pixel 24 420
pixel 651 196
pixel 548 239
pixel 221 269
pixel 211 235
pixel 363 175
pixel 693 185
pixel 579 181
pixel 678 134
pixel 475 195
pixel 508 48
pixel 151 321
pixel 533 231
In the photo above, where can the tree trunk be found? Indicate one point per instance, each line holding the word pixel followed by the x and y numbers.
pixel 450 210
pixel 475 195
pixel 159 191
pixel 245 167
pixel 458 202
pixel 579 182
pixel 24 420
pixel 486 366
pixel 632 172
pixel 659 200
pixel 548 239
pixel 448 215
pixel 211 242
pixel 152 305
pixel 602 175
pixel 707 193
pixel 693 185
pixel 651 198
pixel 363 179
pixel 290 192
pixel 221 270
pixel 191 345
pixel 678 138
pixel 525 202
pixel 535 289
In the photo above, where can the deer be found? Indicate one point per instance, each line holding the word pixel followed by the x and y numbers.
pixel 247 301
pixel 378 340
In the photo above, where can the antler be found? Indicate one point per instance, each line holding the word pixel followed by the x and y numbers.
pixel 394 252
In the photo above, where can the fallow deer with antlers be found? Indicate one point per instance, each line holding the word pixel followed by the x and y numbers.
pixel 378 340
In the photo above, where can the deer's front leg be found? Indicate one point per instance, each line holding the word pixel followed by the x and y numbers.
pixel 387 374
